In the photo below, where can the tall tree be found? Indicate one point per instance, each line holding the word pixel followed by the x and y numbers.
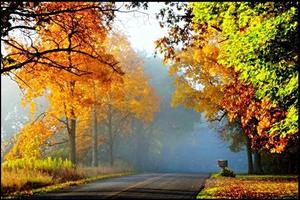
pixel 248 49
pixel 66 90
pixel 261 43
pixel 131 98
pixel 28 19
pixel 95 130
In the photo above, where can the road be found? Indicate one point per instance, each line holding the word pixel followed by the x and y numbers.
pixel 141 186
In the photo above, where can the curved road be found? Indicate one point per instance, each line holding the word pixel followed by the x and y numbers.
pixel 141 186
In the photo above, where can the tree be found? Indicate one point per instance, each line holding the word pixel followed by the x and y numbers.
pixel 29 19
pixel 248 49
pixel 146 143
pixel 67 92
pixel 200 83
pixel 233 132
pixel 131 98
pixel 95 130
pixel 28 143
pixel 205 85
pixel 198 79
pixel 264 54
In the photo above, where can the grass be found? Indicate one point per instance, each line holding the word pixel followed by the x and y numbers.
pixel 51 188
pixel 250 187
pixel 31 176
pixel 23 179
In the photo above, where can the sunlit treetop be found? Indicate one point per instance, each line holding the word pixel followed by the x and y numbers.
pixel 134 94
pixel 77 23
pixel 260 40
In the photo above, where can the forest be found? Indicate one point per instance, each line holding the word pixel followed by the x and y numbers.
pixel 80 103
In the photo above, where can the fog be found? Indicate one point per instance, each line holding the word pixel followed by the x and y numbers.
pixel 180 139
pixel 191 145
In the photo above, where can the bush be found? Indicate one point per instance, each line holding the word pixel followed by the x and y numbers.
pixel 47 165
pixel 227 172
pixel 27 173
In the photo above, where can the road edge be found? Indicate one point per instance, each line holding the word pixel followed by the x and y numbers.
pixel 69 184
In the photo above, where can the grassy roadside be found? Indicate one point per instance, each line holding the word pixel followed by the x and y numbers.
pixel 51 188
pixel 250 187
pixel 28 176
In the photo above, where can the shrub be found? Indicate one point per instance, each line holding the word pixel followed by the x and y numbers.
pixel 46 165
pixel 27 173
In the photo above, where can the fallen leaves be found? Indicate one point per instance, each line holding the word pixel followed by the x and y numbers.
pixel 251 187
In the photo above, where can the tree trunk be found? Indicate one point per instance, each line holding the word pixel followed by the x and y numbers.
pixel 291 164
pixel 95 140
pixel 95 132
pixel 142 147
pixel 257 163
pixel 139 151
pixel 72 129
pixel 72 142
pixel 111 155
pixel 110 136
pixel 281 167
pixel 249 155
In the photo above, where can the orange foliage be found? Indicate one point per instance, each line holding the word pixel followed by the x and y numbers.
pixel 256 187
pixel 257 117
pixel 68 91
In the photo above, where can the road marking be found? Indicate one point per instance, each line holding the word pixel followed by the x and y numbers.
pixel 147 181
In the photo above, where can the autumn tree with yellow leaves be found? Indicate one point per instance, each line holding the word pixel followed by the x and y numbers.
pixel 66 90
pixel 103 94
pixel 131 98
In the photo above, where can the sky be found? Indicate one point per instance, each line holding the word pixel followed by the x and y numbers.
pixel 142 29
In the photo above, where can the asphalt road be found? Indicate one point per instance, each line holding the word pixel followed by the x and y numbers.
pixel 141 186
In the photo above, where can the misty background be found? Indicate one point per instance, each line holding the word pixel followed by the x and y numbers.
pixel 180 139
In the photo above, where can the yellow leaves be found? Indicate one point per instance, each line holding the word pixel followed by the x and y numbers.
pixel 32 108
pixel 69 95
pixel 31 137
pixel 263 124
pixel 203 78
pixel 252 187
pixel 199 55
pixel 173 70
pixel 210 51
pixel 133 94
pixel 134 103
pixel 199 77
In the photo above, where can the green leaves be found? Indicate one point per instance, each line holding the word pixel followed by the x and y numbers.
pixel 290 87
pixel 258 44
pixel 261 42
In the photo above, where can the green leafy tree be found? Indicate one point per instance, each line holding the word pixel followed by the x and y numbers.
pixel 260 40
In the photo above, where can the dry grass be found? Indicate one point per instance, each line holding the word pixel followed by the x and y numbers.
pixel 23 179
pixel 251 187
pixel 22 175
pixel 105 169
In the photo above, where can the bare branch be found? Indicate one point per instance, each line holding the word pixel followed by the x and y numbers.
pixel 21 80
pixel 40 115
pixel 220 118
pixel 57 143
pixel 18 27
